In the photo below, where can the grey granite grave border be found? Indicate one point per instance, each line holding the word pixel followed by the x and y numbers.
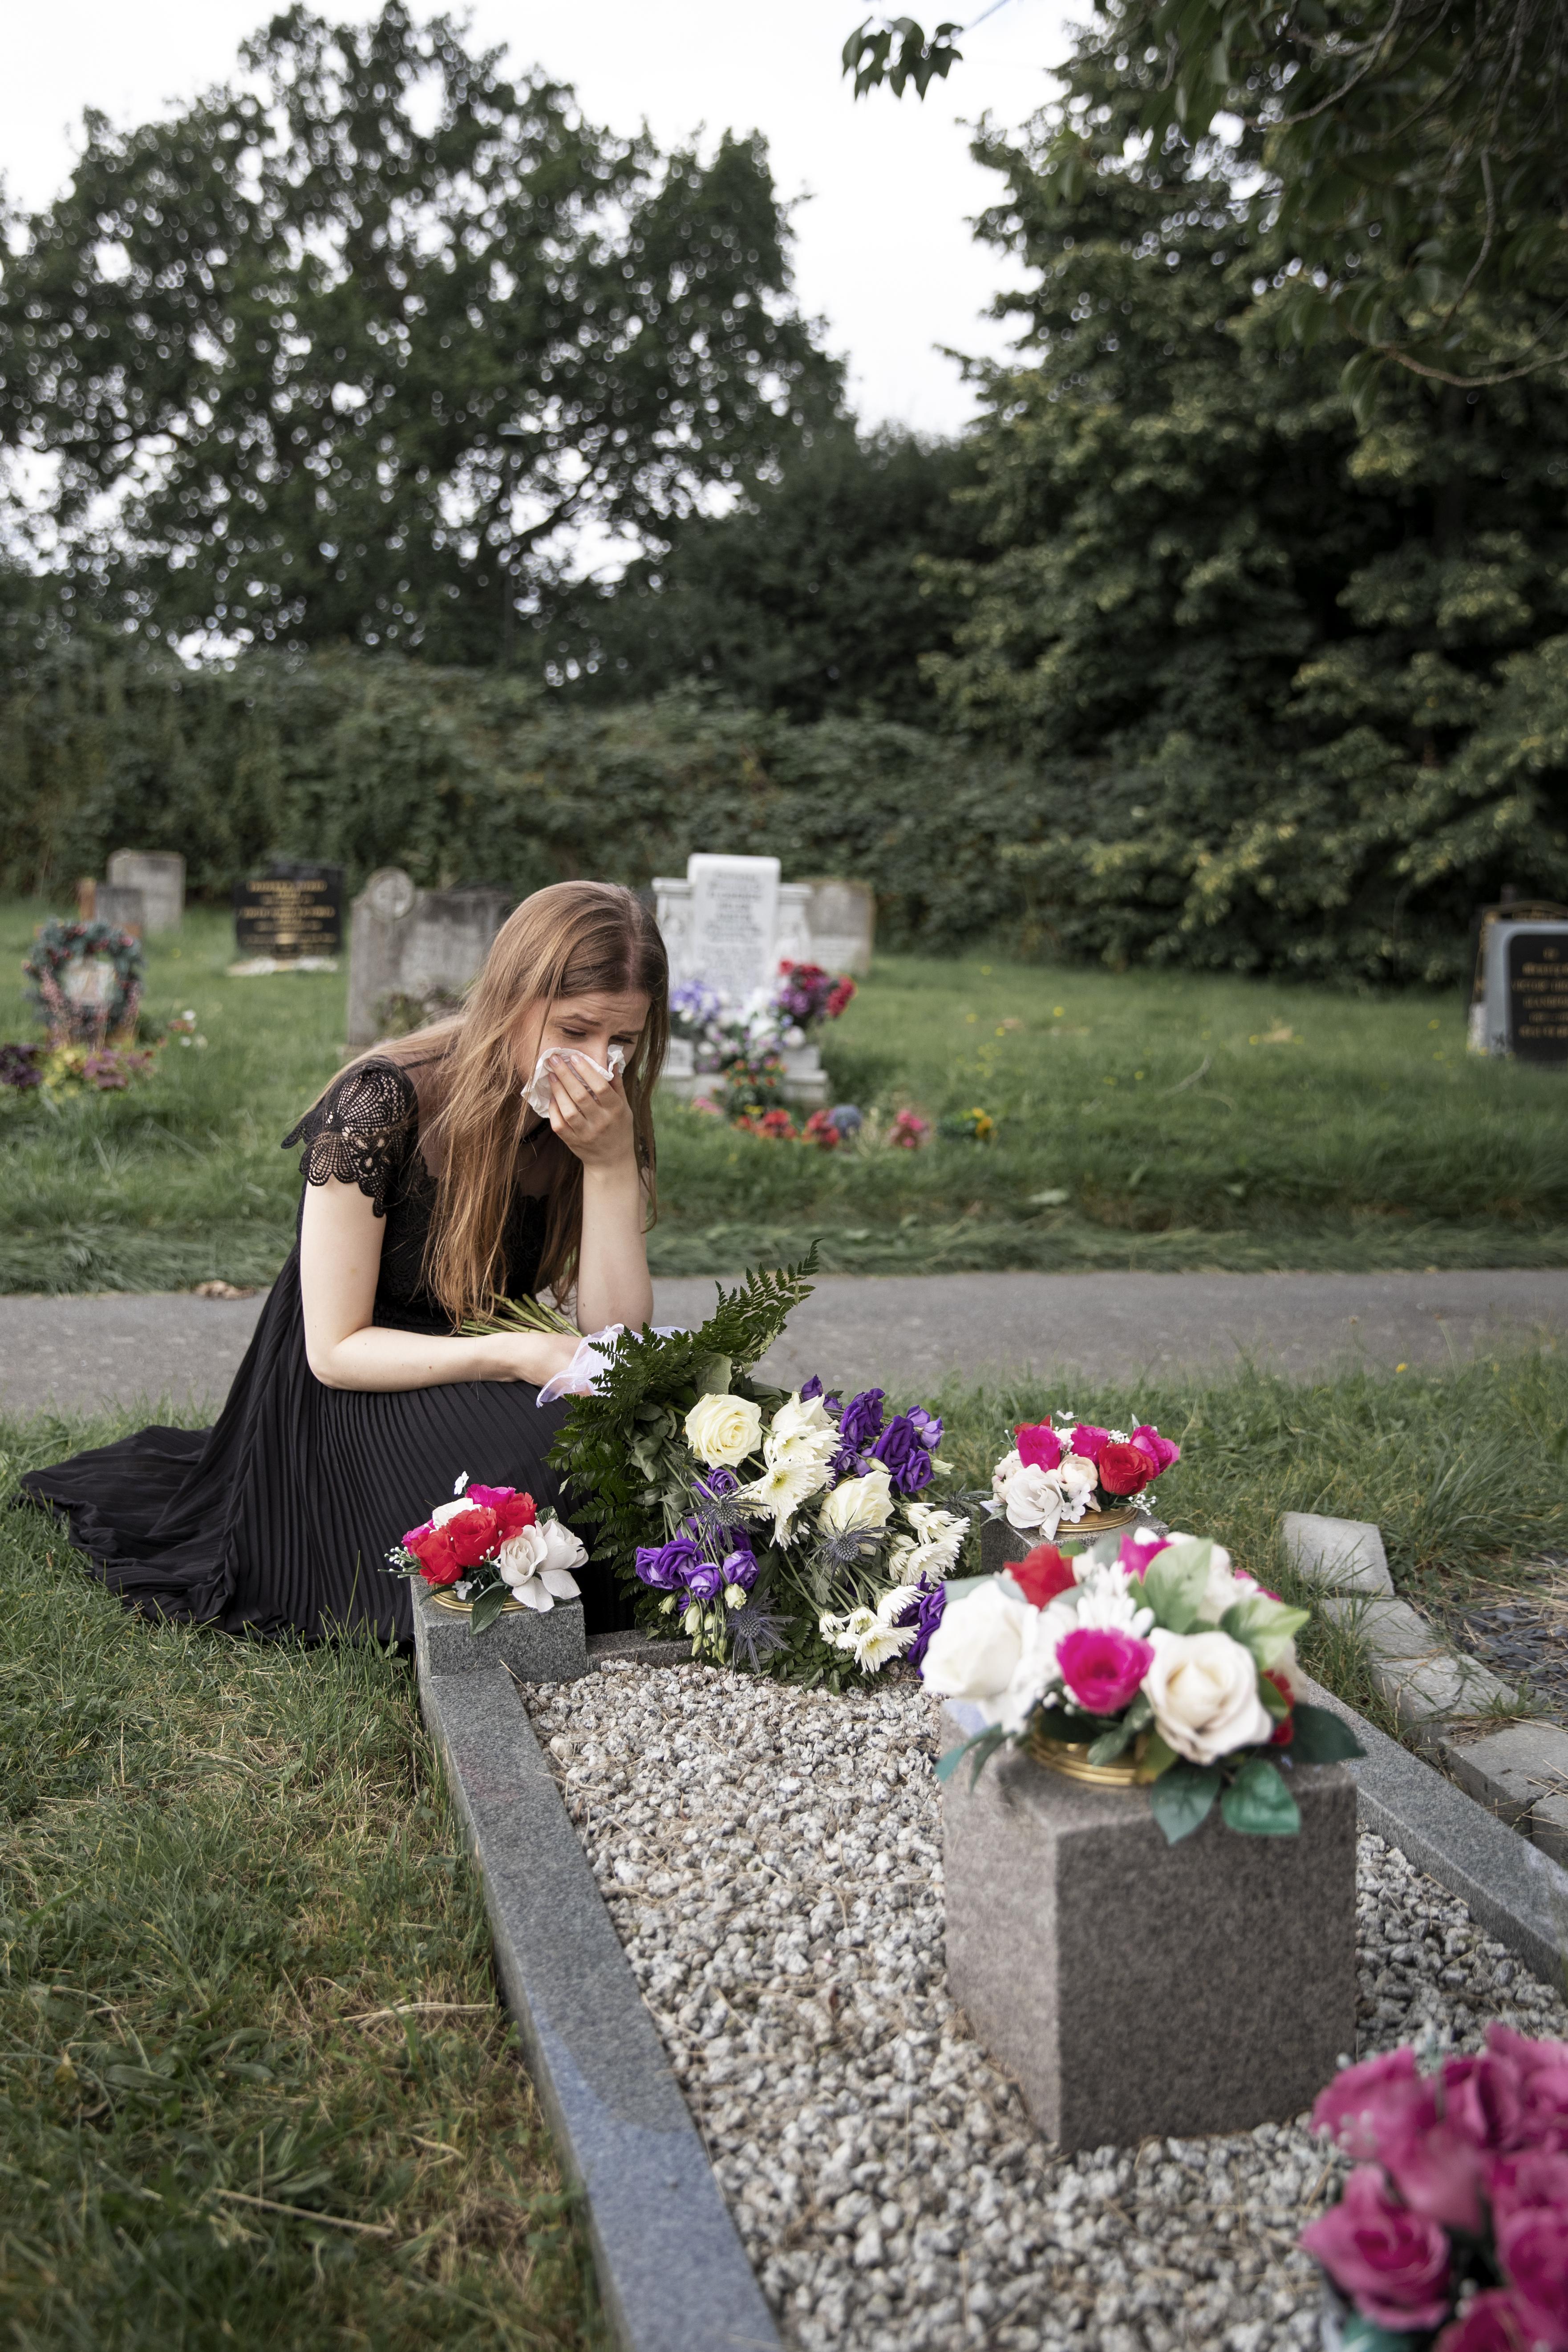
pixel 673 2275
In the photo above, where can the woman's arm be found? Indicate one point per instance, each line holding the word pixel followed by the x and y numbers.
pixel 591 1114
pixel 340 1257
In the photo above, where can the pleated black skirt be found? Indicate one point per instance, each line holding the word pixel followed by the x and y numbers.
pixel 277 1520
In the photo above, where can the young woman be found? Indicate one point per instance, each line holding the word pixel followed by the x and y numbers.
pixel 431 1188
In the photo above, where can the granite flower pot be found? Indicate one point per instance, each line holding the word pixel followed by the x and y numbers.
pixel 1134 1989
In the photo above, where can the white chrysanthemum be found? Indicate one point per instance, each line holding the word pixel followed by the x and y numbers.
pixel 1036 1674
pixel 931 1551
pixel 781 1491
pixel 875 1643
pixel 800 1433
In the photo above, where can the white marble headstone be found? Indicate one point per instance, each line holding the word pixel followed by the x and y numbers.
pixel 734 921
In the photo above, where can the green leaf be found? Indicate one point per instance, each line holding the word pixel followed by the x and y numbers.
pixel 1159 1755
pixel 1320 1737
pixel 1359 2334
pixel 487 1608
pixel 1183 1798
pixel 713 1377
pixel 1173 1582
pixel 1263 1626
pixel 981 1748
pixel 1258 1804
pixel 1110 1744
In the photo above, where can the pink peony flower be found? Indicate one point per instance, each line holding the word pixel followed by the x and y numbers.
pixel 1089 1441
pixel 1162 1451
pixel 1393 2263
pixel 1532 2250
pixel 1039 1447
pixel 1491 2323
pixel 1102 1671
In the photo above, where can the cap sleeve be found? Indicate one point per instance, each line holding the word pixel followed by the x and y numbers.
pixel 361 1132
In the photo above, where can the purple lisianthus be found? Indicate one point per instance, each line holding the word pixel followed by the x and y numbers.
pixel 925 1611
pixel 718 1482
pixel 741 1568
pixel 705 1582
pixel 916 1473
pixel 863 1417
pixel 665 1566
pixel 902 1450
pixel 811 1388
pixel 927 1426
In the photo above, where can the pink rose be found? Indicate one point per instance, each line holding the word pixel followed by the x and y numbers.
pixel 1532 2252
pixel 1138 1549
pixel 1393 2263
pixel 1039 1447
pixel 1102 1670
pixel 1484 2098
pixel 1089 1441
pixel 1542 2068
pixel 1384 2111
pixel 1162 1451
pixel 1535 2176
pixel 1492 2323
pixel 513 1511
pixel 1361 2099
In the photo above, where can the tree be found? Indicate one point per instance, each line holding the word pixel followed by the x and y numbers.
pixel 1413 177
pixel 285 333
pixel 1267 666
pixel 815 596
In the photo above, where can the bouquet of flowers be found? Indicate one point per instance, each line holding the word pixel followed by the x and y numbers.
pixel 1153 1651
pixel 1053 1474
pixel 806 996
pixel 489 1545
pixel 746 1043
pixel 1456 2216
pixel 790 1532
pixel 85 981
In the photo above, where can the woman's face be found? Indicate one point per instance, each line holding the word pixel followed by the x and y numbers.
pixel 591 1024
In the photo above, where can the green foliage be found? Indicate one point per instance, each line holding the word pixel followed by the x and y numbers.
pixel 373 325
pixel 1183 1798
pixel 812 597
pixel 1257 1803
pixel 259 2088
pixel 1319 1736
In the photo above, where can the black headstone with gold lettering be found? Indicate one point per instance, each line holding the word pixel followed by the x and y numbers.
pixel 291 910
pixel 1538 994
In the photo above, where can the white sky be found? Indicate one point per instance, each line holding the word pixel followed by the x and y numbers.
pixel 883 254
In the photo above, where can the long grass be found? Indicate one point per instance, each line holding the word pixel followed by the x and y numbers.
pixel 257 2086
pixel 1142 1119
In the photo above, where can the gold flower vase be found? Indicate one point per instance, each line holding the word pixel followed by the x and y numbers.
pixel 1071 1758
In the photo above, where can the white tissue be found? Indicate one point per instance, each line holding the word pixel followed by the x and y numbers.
pixel 537 1094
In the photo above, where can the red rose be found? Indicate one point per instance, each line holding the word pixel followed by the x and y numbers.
pixel 513 1511
pixel 1123 1469
pixel 474 1536
pixel 438 1563
pixel 1041 1574
pixel 1285 1730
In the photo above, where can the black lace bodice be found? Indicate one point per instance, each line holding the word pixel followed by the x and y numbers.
pixel 365 1132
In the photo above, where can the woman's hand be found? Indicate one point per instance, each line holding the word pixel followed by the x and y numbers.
pixel 532 1356
pixel 590 1113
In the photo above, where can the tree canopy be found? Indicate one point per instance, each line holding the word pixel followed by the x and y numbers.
pixel 336 353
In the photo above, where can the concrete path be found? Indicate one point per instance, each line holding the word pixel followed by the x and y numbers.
pixel 904 1331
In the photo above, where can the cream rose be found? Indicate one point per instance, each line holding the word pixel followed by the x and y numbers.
pixel 562 1551
pixel 1035 1501
pixel 723 1430
pixel 974 1652
pixel 537 1564
pixel 857 1504
pixel 1202 1688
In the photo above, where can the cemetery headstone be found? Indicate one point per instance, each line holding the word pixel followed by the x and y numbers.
pixel 423 946
pixel 125 908
pixel 1522 1002
pixel 160 876
pixel 734 921
pixel 843 922
pixel 291 913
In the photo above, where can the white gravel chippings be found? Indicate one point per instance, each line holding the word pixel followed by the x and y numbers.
pixel 771 1859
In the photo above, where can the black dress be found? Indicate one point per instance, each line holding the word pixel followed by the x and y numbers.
pixel 278 1519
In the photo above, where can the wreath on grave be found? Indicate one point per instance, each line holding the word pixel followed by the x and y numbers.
pixel 55 947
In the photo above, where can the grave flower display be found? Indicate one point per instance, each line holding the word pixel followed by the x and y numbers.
pixel 1060 1473
pixel 85 981
pixel 489 1549
pixel 744 1043
pixel 1149 1660
pixel 1452 2229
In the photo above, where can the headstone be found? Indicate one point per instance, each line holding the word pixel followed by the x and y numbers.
pixel 290 913
pixel 160 876
pixel 1521 1006
pixel 842 919
pixel 408 943
pixel 734 922
pixel 125 908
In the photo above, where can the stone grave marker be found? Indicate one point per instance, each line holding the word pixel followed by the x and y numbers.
pixel 291 914
pixel 160 876
pixel 419 945
pixel 1522 1002
pixel 842 919
pixel 734 921
pixel 126 908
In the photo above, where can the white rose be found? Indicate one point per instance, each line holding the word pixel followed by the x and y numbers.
pixel 1078 1478
pixel 1202 1688
pixel 524 1555
pixel 1222 1588
pixel 1001 1478
pixel 563 1552
pixel 857 1504
pixel 723 1430
pixel 1034 1501
pixel 975 1650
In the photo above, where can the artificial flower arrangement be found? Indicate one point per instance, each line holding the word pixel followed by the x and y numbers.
pixel 1056 1474
pixel 113 957
pixel 845 1126
pixel 489 1545
pixel 1452 2229
pixel 745 1045
pixel 1150 1652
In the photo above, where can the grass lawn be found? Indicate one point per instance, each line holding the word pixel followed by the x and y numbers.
pixel 245 2000
pixel 1144 1121
pixel 223 1862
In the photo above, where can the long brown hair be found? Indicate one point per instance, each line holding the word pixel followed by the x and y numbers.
pixel 575 939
